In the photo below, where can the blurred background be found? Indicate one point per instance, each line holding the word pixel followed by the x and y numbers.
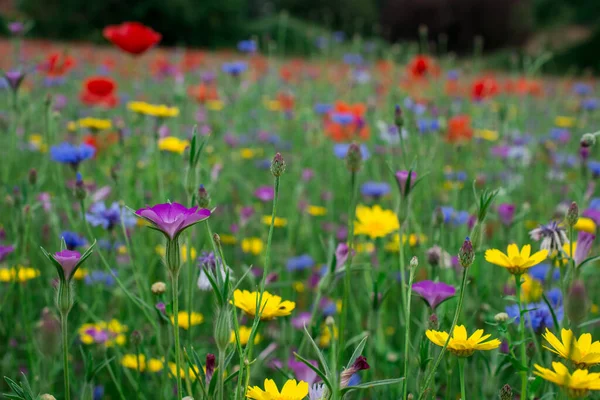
pixel 570 29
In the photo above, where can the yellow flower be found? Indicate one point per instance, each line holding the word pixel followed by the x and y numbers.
pixel 130 361
pixel 252 245
pixel 71 126
pixel 215 105
pixel 185 320
pixel 487 134
pixel 18 274
pixel 192 375
pixel 102 332
pixel 594 308
pixel 290 391
pixel 80 274
pixel 271 305
pixel 36 141
pixel 228 239
pixel 375 222
pixel 364 247
pixel 316 211
pixel 325 337
pixel 577 385
pixel 585 353
pixel 514 261
pixel 452 185
pixel 173 144
pixel 158 110
pixel 248 154
pixel 95 123
pixel 585 224
pixel 531 289
pixel 244 336
pixel 564 122
pixel 271 105
pixel 278 223
pixel 183 251
pixel 298 286
pixel 413 240
pixel 460 344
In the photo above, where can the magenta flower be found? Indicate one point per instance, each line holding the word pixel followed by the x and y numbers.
pixel 434 293
pixel 585 241
pixel 172 218
pixel 265 193
pixel 303 372
pixel 506 212
pixel 402 178
pixel 5 250
pixel 67 259
pixel 67 262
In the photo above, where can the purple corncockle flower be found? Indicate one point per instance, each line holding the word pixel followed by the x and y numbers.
pixel 5 250
pixel 265 193
pixel 68 259
pixel 434 293
pixel 300 320
pixel 14 78
pixel 506 212
pixel 172 218
pixel 585 240
pixel 302 372
pixel 402 178
pixel 341 255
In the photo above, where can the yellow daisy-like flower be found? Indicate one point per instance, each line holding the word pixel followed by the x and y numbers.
pixel 278 223
pixel 154 110
pixel 173 371
pixel 531 289
pixel 71 126
pixel 487 134
pixel 514 261
pixel 248 153
pixel 413 240
pixel 460 344
pixel 228 239
pixel 183 252
pixel 95 123
pixel 316 211
pixel 173 144
pixel 375 222
pixel 185 320
pixel 585 353
pixel 252 245
pixel 271 105
pixel 130 361
pixel 18 274
pixel 291 390
pixel 244 336
pixel 585 224
pixel 325 337
pixel 298 286
pixel 271 305
pixel 577 384
pixel 80 274
pixel 367 248
pixel 564 122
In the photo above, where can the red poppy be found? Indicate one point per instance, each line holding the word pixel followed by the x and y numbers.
pixel 484 88
pixel 57 65
pixel 342 130
pixel 459 129
pixel 203 92
pixel 132 37
pixel 422 66
pixel 286 101
pixel 99 91
pixel 101 142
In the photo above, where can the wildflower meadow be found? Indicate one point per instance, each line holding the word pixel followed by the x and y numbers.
pixel 362 223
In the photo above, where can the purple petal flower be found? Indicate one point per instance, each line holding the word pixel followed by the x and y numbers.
pixel 14 79
pixel 173 218
pixel 5 250
pixel 506 212
pixel 341 255
pixel 68 259
pixel 402 177
pixel 585 241
pixel 265 193
pixel 302 372
pixel 300 320
pixel 434 293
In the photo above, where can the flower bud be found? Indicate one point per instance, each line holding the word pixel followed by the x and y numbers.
pixel 47 396
pixel 359 365
pixel 506 392
pixel 217 239
pixel 210 367
pixel 329 321
pixel 203 197
pixel 434 254
pixel 572 215
pixel 159 288
pixel 341 255
pixel 136 338
pixel 398 119
pixel 414 262
pixel 222 329
pixel 33 176
pixel 80 192
pixel 501 317
pixel 353 158
pixel 577 302
pixel 278 165
pixel 466 255
pixel 588 140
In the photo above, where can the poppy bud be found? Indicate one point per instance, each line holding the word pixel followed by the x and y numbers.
pixel 353 158
pixel 572 214
pixel 217 239
pixel 577 302
pixel 506 392
pixel 136 338
pixel 466 255
pixel 588 140
pixel 32 176
pixel 203 197
pixel 278 165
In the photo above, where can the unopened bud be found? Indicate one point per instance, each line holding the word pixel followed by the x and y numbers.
pixel 501 317
pixel 33 176
pixel 398 119
pixel 47 396
pixel 359 365
pixel 577 302
pixel 588 140
pixel 80 192
pixel 210 367
pixel 329 321
pixel 217 239
pixel 203 197
pixel 572 215
pixel 136 338
pixel 159 288
pixel 466 255
pixel 410 396
pixel 353 158
pixel 414 262
pixel 506 392
pixel 222 330
pixel 434 255
pixel 278 165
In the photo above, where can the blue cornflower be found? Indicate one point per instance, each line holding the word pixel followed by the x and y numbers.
pixel 234 68
pixel 98 392
pixel 594 167
pixel 73 240
pixel 341 149
pixel 342 118
pixel 67 153
pixel 101 277
pixel 590 104
pixel 595 203
pixel 322 108
pixel 419 109
pixel 263 164
pixel 299 263
pixel 339 36
pixel 375 189
pixel 538 317
pixel 540 272
pixel 582 88
pixel 247 46
pixel 353 59
pixel 454 217
pixel 207 259
pixel 108 218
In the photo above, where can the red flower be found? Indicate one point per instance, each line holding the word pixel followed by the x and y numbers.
pixel 459 129
pixel 57 65
pixel 422 66
pixel 352 129
pixel 132 37
pixel 484 88
pixel 99 91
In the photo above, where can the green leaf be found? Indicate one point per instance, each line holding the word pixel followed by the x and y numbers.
pixel 193 148
pixel 231 376
pixel 357 351
pixel 373 384
pixel 516 363
pixel 317 371
pixel 554 319
pixel 589 260
pixel 57 266
pixel 319 354
pixel 101 366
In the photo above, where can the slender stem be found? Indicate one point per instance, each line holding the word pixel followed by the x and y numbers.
pixel 175 289
pixel 450 333
pixel 407 333
pixel 139 370
pixel 461 371
pixel 270 237
pixel 522 334
pixel 220 371
pixel 65 343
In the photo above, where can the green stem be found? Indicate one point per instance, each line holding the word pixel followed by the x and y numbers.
pixel 65 343
pixel 220 371
pixel 407 333
pixel 175 289
pixel 139 370
pixel 450 333
pixel 522 336
pixel 461 371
